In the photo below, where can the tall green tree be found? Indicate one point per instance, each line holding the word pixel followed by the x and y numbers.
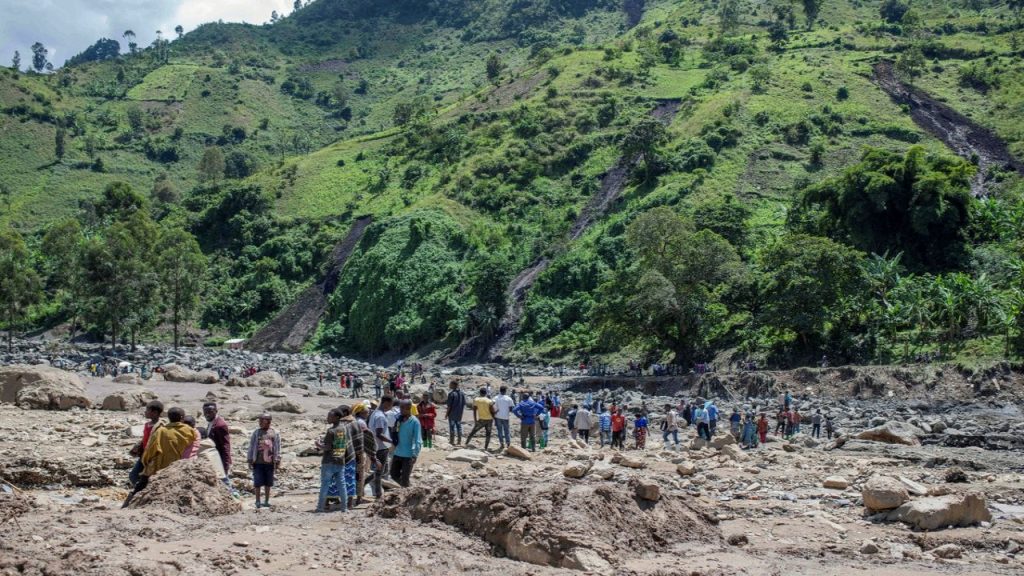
pixel 489 283
pixel 729 15
pixel 182 268
pixel 642 142
pixel 811 10
pixel 806 285
pixel 494 67
pixel 672 290
pixel 39 54
pixel 914 203
pixel 16 61
pixel 19 283
pixel 211 166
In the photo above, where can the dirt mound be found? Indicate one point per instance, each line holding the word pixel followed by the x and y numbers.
pixel 12 505
pixel 188 487
pixel 560 523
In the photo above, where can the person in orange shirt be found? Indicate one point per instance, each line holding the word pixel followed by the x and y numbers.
pixel 618 429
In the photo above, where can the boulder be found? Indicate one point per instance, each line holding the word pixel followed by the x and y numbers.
pixel 15 377
pixel 470 456
pixel 577 469
pixel 272 393
pixel 517 452
pixel 130 378
pixel 883 493
pixel 892 433
pixel 948 551
pixel 647 490
pixel 176 373
pixel 127 399
pixel 686 469
pixel 735 453
pixel 722 440
pixel 868 547
pixel 283 405
pixel 628 461
pixel 267 379
pixel 956 475
pixel 836 483
pixel 914 488
pixel 943 511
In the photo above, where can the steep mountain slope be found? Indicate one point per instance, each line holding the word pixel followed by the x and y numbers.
pixel 477 135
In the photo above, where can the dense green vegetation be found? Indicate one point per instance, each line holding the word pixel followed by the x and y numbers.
pixel 789 210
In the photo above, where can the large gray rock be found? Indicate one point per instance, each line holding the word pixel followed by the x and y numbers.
pixel 176 373
pixel 883 493
pixel 943 511
pixel 892 433
pixel 127 399
pixel 577 469
pixel 283 405
pixel 469 456
pixel 42 387
pixel 517 452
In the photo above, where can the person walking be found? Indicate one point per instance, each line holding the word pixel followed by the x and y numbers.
pixel 570 420
pixel 829 426
pixel 762 428
pixel 336 448
pixel 407 449
pixel 618 429
pixel 455 405
pixel 670 426
pixel 712 412
pixel 584 421
pixel 604 423
pixel 703 420
pixel 640 431
pixel 263 458
pixel 503 405
pixel 816 424
pixel 483 418
pixel 735 421
pixel 749 437
pixel 427 413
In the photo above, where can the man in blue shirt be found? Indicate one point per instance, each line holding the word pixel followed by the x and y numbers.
pixel 408 447
pixel 527 412
pixel 712 417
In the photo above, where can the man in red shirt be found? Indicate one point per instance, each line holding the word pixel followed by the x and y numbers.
pixel 618 429
pixel 153 411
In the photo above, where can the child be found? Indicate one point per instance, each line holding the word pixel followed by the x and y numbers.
pixel 640 431
pixel 427 412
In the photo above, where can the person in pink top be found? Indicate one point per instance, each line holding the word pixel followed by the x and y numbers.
pixel 193 449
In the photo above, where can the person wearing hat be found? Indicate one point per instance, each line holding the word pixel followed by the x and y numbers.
pixel 264 458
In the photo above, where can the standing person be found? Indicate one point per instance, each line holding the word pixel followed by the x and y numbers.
pixel 686 413
pixel 264 458
pixel 193 449
pixel 795 417
pixel 382 441
pixel 670 426
pixel 604 423
pixel 703 420
pixel 618 429
pixel 427 413
pixel 816 424
pixel 640 431
pixel 556 405
pixel 780 422
pixel 762 428
pixel 787 399
pixel 503 405
pixel 584 421
pixel 570 420
pixel 544 423
pixel 356 439
pixel 153 411
pixel 337 449
pixel 526 412
pixel 787 423
pixel 218 431
pixel 369 445
pixel 376 386
pixel 408 447
pixel 483 417
pixel 712 411
pixel 829 426
pixel 734 422
pixel 454 407
pixel 749 438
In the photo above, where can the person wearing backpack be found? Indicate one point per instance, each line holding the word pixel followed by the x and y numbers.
pixel 337 450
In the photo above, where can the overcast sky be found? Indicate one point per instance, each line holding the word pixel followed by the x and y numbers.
pixel 66 27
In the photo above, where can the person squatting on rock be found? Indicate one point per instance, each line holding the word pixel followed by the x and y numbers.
pixel 483 418
pixel 264 458
pixel 153 411
pixel 454 407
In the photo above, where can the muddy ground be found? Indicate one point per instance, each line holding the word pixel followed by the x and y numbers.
pixel 719 511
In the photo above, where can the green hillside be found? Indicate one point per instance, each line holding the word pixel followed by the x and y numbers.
pixel 827 219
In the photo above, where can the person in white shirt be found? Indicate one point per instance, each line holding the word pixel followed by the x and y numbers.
pixel 503 405
pixel 583 423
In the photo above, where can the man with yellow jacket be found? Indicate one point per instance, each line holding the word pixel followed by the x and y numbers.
pixel 167 444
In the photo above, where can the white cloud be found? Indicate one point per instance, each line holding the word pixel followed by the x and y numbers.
pixel 66 27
